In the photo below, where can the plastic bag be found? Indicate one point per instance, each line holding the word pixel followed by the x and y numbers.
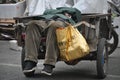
pixel 71 43
pixel 91 6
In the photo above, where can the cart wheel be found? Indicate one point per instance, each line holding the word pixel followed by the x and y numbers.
pixel 113 45
pixel 102 59
pixel 30 74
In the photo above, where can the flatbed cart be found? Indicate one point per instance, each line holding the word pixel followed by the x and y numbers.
pixel 95 27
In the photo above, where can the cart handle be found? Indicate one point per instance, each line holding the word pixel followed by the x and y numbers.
pixel 84 23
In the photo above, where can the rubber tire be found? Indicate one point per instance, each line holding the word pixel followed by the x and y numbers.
pixel 30 74
pixel 115 42
pixel 100 59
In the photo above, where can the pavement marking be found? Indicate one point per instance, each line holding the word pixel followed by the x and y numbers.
pixel 17 65
pixel 114 76
pixel 12 65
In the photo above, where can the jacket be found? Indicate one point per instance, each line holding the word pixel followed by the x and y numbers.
pixel 58 13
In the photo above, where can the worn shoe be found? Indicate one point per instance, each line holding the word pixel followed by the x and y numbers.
pixel 47 70
pixel 29 66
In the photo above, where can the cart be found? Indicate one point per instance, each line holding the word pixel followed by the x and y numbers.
pixel 95 27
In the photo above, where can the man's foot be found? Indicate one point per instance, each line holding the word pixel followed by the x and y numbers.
pixel 47 70
pixel 30 66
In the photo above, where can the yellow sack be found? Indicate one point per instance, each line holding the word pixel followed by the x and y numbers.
pixel 71 43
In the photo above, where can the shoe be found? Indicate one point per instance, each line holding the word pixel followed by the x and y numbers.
pixel 30 66
pixel 47 70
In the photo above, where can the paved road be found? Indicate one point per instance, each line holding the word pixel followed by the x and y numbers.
pixel 10 68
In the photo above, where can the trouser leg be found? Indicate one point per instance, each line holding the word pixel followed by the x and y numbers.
pixel 52 50
pixel 33 39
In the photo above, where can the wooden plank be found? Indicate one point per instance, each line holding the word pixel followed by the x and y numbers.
pixel 7 21
pixel 95 15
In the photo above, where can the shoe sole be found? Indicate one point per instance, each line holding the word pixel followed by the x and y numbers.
pixel 28 71
pixel 43 72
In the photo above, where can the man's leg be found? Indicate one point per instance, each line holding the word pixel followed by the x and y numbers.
pixel 52 50
pixel 32 43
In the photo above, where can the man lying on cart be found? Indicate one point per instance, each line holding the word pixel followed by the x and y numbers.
pixel 46 24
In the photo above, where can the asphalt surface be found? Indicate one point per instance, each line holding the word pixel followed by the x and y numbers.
pixel 10 67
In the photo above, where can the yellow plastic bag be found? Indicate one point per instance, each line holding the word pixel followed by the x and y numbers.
pixel 71 43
